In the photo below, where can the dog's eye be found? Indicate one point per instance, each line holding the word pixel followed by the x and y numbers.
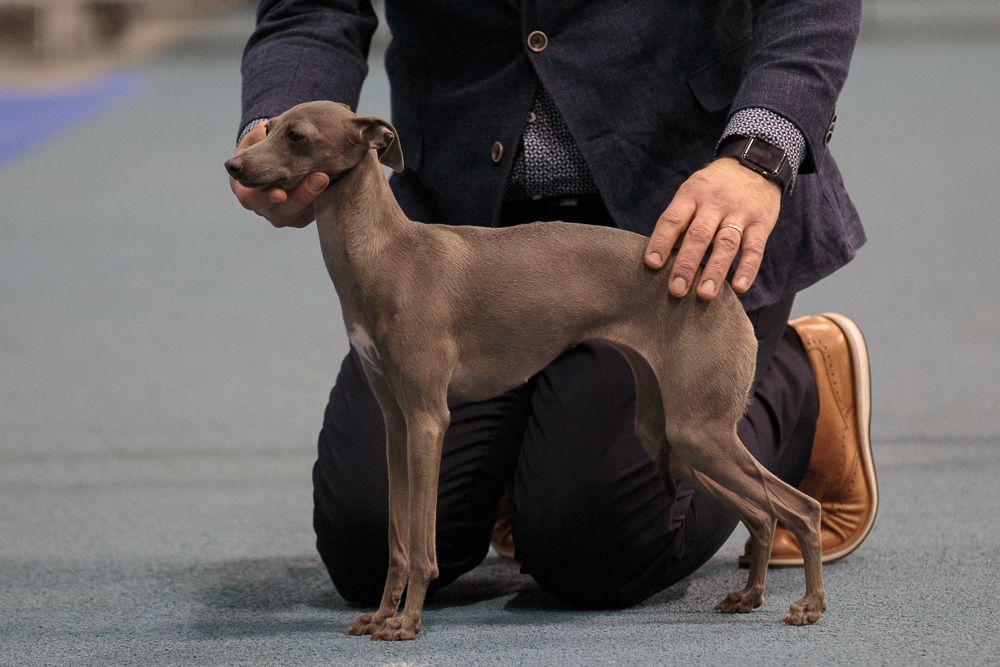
pixel 295 136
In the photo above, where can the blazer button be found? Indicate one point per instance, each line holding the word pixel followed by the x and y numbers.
pixel 497 153
pixel 537 41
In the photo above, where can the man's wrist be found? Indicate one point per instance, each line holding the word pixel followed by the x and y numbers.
pixel 759 156
pixel 773 128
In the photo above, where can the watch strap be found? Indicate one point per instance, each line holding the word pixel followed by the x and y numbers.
pixel 760 156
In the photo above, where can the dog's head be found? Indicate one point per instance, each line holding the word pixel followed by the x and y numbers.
pixel 314 136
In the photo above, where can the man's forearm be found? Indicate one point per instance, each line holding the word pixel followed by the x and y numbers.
pixel 800 55
pixel 303 50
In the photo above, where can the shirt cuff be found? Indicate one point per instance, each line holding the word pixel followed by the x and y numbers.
pixel 249 126
pixel 771 127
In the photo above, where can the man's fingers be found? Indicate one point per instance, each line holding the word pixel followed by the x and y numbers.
pixel 754 240
pixel 724 248
pixel 273 197
pixel 243 194
pixel 696 240
pixel 249 198
pixel 254 136
pixel 310 188
pixel 303 219
pixel 294 208
pixel 669 227
pixel 273 204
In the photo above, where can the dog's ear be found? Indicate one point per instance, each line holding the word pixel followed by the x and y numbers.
pixel 380 135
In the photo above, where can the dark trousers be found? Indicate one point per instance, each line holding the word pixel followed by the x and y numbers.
pixel 592 520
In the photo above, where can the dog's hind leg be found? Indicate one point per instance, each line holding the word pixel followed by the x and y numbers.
pixel 761 526
pixel 399 511
pixel 706 379
pixel 650 426
pixel 723 464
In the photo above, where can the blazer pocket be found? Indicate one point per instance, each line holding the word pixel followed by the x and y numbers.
pixel 715 85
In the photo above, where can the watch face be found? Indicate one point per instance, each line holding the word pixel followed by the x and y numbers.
pixel 760 156
pixel 764 155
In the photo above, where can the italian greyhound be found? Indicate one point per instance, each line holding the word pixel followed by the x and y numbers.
pixel 438 312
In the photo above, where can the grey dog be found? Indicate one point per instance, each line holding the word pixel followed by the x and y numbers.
pixel 439 312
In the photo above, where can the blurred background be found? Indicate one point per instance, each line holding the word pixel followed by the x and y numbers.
pixel 165 358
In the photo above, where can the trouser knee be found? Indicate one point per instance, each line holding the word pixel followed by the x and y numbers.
pixel 566 554
pixel 351 541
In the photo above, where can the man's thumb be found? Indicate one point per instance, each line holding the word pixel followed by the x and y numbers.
pixel 317 181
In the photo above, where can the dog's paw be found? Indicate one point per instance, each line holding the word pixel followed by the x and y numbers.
pixel 398 628
pixel 806 611
pixel 367 624
pixel 741 602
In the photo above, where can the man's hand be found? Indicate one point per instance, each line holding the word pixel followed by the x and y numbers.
pixel 292 208
pixel 724 204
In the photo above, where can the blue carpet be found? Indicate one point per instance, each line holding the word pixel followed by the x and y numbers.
pixel 29 117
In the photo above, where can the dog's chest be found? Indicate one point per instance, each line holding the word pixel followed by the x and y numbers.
pixel 363 344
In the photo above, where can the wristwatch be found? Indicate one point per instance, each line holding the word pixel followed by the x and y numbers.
pixel 761 156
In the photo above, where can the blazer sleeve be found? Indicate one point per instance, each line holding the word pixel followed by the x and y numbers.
pixel 303 50
pixel 800 54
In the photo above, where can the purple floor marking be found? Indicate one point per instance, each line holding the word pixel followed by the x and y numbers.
pixel 29 117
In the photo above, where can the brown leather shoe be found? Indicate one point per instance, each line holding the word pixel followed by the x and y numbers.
pixel 841 473
pixel 502 539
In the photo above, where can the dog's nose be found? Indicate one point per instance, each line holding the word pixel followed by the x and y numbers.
pixel 233 166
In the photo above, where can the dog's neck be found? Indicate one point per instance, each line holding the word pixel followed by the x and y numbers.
pixel 357 218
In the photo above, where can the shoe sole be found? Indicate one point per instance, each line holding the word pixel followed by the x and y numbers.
pixel 863 390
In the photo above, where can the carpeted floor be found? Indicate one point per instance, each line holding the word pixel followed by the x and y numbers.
pixel 164 360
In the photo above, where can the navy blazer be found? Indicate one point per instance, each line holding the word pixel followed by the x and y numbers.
pixel 646 88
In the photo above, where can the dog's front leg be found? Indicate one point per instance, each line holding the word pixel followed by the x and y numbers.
pixel 425 429
pixel 399 511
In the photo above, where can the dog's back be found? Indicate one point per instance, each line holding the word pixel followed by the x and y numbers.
pixel 498 284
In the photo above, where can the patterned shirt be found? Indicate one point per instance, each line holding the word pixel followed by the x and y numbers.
pixel 549 164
